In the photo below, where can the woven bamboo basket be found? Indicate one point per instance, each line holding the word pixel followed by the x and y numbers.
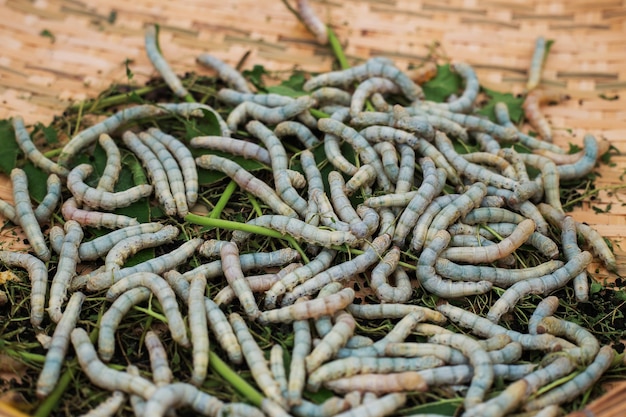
pixel 56 52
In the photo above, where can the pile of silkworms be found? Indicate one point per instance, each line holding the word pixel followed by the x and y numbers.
pixel 429 221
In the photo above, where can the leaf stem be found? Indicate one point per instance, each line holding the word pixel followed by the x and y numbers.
pixel 221 203
pixel 337 49
pixel 237 382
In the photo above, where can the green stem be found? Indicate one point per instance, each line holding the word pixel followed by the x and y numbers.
pixel 48 405
pixel 221 203
pixel 337 49
pixel 151 313
pixel 319 114
pixel 112 100
pixel 237 382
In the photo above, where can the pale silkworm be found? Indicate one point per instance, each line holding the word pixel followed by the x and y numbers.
pixel 38 275
pixel 172 171
pixel 536 64
pixel 540 285
pixel 156 265
pixel 312 22
pixel 301 349
pixel 526 208
pixel 299 230
pixel 462 374
pixel 66 269
pixel 569 242
pixel 432 185
pixel 406 171
pixel 155 169
pixel 88 136
pixel 545 308
pixel 57 350
pixel 278 156
pixel 277 366
pixel 496 161
pixel 587 344
pixel 309 309
pixel 495 342
pixel 8 211
pixel 576 386
pixel 332 150
pixel 411 350
pixel 370 218
pixel 321 262
pixel 362 179
pixel 161 372
pixel 25 215
pixel 44 210
pixel 500 277
pixel 234 275
pixel 269 115
pixel 486 142
pixel 233 146
pixel 315 182
pixel 379 278
pixel 225 72
pixel 390 200
pixel 485 328
pixel 97 219
pixel 479 359
pixel 549 178
pixel 299 131
pixel 379 103
pixel 185 160
pixel 257 283
pixel 393 134
pixel 363 149
pixel 256 360
pixel 330 344
pixel 25 143
pixel 490 253
pixel 223 331
pixel 465 102
pixel 378 383
pixel 423 222
pixel 101 375
pixel 569 159
pixel 247 182
pixel 533 114
pixel 296 179
pixel 100 246
pixel 542 243
pixel 514 158
pixel 332 95
pixel 160 64
pixel 113 317
pixel 109 407
pixel 164 293
pixel 343 270
pixel 180 394
pixel 234 98
pixel 113 167
pixel 329 408
pixel 366 88
pixel 389 158
pixel 129 246
pixel 198 329
pixel 510 353
pixel 585 164
pixel 343 206
pixel 383 406
pixel 492 215
pixel 326 212
pixel 393 311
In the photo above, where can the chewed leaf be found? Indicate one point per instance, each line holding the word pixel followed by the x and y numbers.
pixel 292 87
pixel 206 125
pixel 36 181
pixel 513 103
pixel 255 76
pixel 443 85
pixel 10 150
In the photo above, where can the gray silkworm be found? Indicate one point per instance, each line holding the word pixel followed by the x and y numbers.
pixel 330 344
pixel 332 95
pixel 423 222
pixel 161 372
pixel 223 331
pixel 393 134
pixel 234 275
pixel 97 219
pixel 329 408
pixel 240 147
pixel 393 311
pixel 25 143
pixel 363 178
pixel 309 309
pixel 411 350
pixel 198 329
pixel 368 87
pixel 301 349
pixel 225 72
pixel 380 283
pixel 465 102
pixel 383 406
pixel 298 130
pixel 44 210
pixel 129 246
pixel 100 246
pixel 549 178
pixel 180 394
pixel 585 164
pixel 112 169
pixel 312 22
pixel 59 343
pixel 270 115
pixel 496 161
pixel 536 64
pixel 569 241
pixel 277 366
pixel 406 171
pixel 379 383
pixel 545 308
pixel 587 344
pixel 109 407
pixel 389 157
pixel 160 64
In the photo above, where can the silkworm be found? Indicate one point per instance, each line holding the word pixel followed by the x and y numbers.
pixel 321 262
pixel 89 251
pixel 366 88
pixel 337 337
pixel 198 329
pixel 326 212
pixel 465 102
pixel 277 366
pixel 108 407
pixel 25 215
pixel 379 278
pixel 185 160
pixel 332 150
pixel 59 343
pixel 155 171
pixel 298 130
pixel 432 185
pixel 576 386
pixel 342 271
pixel 315 182
pixel 588 345
pixel 389 158
pixel 585 164
pixel 363 178
pixel 97 219
pixel 156 265
pixel 234 275
pixel 257 283
pixel 8 211
pixel 545 308
pixel 332 95
pixel 375 134
pixel 492 215
pixel 50 201
pixel 312 22
pixel 550 178
pixel 571 249
pixel 309 309
pixel 486 142
pixel 411 350
pixel 256 360
pixel 25 143
pixel 101 375
pixel 66 269
pixel 393 311
pixel 329 408
pixel 161 372
pixel 160 64
pixel 181 394
pixel 131 245
pixel 223 331
pixel 225 72
pixel 270 115
pixel 299 230
pixel 246 181
pixel 490 253
pixel 369 217
pixel 379 383
pixel 423 222
pixel 496 161
pixel 113 317
pixel 239 147
pixel 533 115
pixel 38 275
pixel 536 64
pixel 343 206
pixel 297 370
pixel 406 171
pixel 234 98
pixel 164 293
pixel 510 353
pixel 540 285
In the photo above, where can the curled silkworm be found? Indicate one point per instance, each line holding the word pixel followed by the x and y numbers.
pixel 486 142
pixel 58 346
pixel 164 293
pixel 545 308
pixel 549 178
pixel 588 345
pixel 246 181
pixel 297 370
pixel 103 376
pixel 26 216
pixel 225 72
pixel 239 147
pixel 89 251
pixel 50 201
pixel 533 114
pixel 540 285
pixel 38 275
pixel 161 372
pixel 111 172
pixel 423 222
pixel 585 164
pixel 155 170
pixel 270 115
pixel 131 245
pixel 198 329
pixel 343 206
pixel 312 22
pixel 33 154
pixel 96 219
pixel 379 383
pixel 309 309
pixel 336 338
pixel 160 64
pixel 66 269
pixel 367 88
pixel 300 131
pixel 363 178
pixel 569 241
pixel 234 275
pixel 536 64
pixel 389 158
pixel 379 278
pixel 8 211
pixel 465 102
pixel 326 212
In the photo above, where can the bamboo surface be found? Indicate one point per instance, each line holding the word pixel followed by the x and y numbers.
pixel 57 52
